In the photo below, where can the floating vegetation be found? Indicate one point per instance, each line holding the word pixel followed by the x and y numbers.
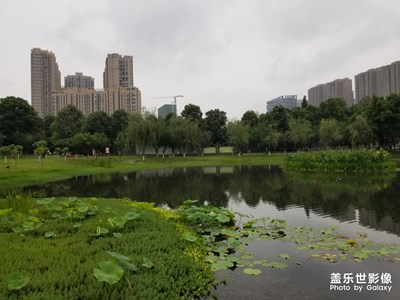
pixel 226 241
pixel 250 271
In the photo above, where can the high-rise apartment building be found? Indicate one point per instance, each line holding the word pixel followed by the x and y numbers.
pixel 339 88
pixel 48 98
pixel 287 101
pixel 90 100
pixel 381 81
pixel 118 71
pixel 45 79
pixel 79 81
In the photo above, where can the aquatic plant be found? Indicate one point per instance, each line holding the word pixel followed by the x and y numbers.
pixel 226 242
pixel 340 161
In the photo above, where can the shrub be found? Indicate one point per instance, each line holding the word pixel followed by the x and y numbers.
pixel 341 160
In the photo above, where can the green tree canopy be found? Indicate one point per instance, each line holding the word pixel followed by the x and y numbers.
pixel 192 112
pixel 156 126
pixel 238 135
pixel 280 118
pixel 40 149
pixel 331 132
pixel 300 132
pixel 250 118
pixel 272 138
pixel 140 131
pixel 215 123
pixel 360 132
pixel 19 122
pixel 48 121
pixel 98 122
pixel 334 108
pixel 384 117
pixel 11 150
pixel 67 123
pixel 119 122
pixel 85 142
pixel 304 102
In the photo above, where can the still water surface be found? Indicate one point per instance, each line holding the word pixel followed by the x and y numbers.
pixel 369 204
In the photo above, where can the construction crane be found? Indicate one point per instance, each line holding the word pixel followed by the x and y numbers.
pixel 173 102
pixel 174 97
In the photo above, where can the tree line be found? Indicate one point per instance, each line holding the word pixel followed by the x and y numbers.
pixel 373 122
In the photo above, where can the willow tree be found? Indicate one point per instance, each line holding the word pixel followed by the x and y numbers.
pixel 140 132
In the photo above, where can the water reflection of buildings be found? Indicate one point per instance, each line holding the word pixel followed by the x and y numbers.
pixel 368 218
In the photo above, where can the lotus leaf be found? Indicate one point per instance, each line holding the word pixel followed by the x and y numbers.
pixel 44 201
pixel 222 264
pixel 251 271
pixel 49 234
pixel 108 271
pixel 6 211
pixel 191 238
pixel 101 231
pixel 277 265
pixel 132 215
pixel 123 260
pixel 117 221
pixel 223 218
pixel 147 263
pixel 16 280
pixel 284 255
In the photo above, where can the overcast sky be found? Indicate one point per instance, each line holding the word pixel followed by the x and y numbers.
pixel 233 55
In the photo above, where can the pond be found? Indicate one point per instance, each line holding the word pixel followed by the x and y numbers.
pixel 368 204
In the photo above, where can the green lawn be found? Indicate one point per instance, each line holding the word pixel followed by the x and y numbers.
pixel 28 170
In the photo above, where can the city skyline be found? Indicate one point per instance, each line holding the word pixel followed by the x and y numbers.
pixel 118 73
pixel 204 50
pixel 49 98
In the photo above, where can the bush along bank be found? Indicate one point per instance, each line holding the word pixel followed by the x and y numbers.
pixel 340 161
pixel 97 249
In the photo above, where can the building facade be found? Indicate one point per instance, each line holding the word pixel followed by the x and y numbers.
pixel 339 88
pixel 79 81
pixel 118 71
pixel 48 98
pixel 287 101
pixel 45 79
pixel 166 109
pixel 90 100
pixel 381 81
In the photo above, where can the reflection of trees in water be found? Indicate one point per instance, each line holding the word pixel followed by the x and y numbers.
pixel 386 201
pixel 375 197
pixel 327 194
pixel 159 187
